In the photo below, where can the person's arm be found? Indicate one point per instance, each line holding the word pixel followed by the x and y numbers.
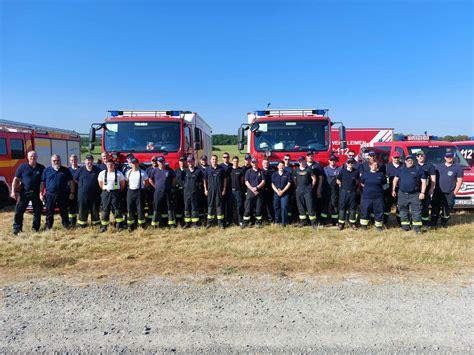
pixel 394 186
pixel 423 189
pixel 225 186
pixel 287 187
pixel 320 186
pixel 205 186
pixel 433 184
pixel 100 181
pixel 41 194
pixel 314 181
pixel 458 185
pixel 15 187
pixel 275 188
pixel 123 182
pixel 262 184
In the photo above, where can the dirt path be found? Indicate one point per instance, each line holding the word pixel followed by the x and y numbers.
pixel 238 314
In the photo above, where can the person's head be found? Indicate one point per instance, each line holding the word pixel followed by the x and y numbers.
pixel 420 157
pixel 332 161
pixel 351 154
pixel 286 159
pixel 265 163
pixel 254 163
pixel 214 160
pixel 104 156
pixel 449 157
pixel 154 162
pixel 374 166
pixel 161 162
pixel 372 156
pixel 190 161
pixel 55 161
pixel 73 160
pixel 310 157
pixel 135 165
pixel 89 161
pixel 350 163
pixel 204 160
pixel 225 158
pixel 248 159
pixel 235 161
pixel 281 166
pixel 32 157
pixel 396 158
pixel 110 165
pixel 182 162
pixel 409 161
pixel 302 161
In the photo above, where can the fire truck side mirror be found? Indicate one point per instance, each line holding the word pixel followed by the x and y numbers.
pixel 342 137
pixel 91 138
pixel 240 138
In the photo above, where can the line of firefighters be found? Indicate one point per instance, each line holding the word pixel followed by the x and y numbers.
pixel 203 194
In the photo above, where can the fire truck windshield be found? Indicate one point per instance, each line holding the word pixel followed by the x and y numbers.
pixel 435 154
pixel 143 136
pixel 292 136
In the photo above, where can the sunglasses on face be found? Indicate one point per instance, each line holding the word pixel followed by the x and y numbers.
pixel 225 157
pixel 287 158
pixel 56 160
pixel 351 156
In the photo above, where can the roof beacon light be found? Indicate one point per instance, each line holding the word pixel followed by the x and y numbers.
pixel 115 113
pixel 319 112
pixel 173 113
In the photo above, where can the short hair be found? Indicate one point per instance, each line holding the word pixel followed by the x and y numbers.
pixel 351 151
pixel 287 155
pixel 235 157
pixel 73 156
pixel 225 153
pixel 281 162
pixel 214 156
pixel 265 158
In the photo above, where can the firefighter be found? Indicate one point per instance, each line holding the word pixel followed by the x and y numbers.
pixel 305 180
pixel 227 166
pixel 430 174
pixel 348 181
pixel 449 178
pixel 88 192
pixel 411 184
pixel 102 164
pixel 254 181
pixel 150 190
pixel 26 188
pixel 267 191
pixel 291 194
pixel 136 179
pixel 390 201
pixel 72 205
pixel 192 187
pixel 330 192
pixel 112 183
pixel 215 186
pixel 237 183
pixel 203 199
pixel 178 198
pixel 163 180
pixel 352 154
pixel 60 189
pixel 374 184
pixel 365 166
pixel 281 185
pixel 318 188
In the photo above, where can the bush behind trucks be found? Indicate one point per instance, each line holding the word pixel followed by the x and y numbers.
pixel 171 133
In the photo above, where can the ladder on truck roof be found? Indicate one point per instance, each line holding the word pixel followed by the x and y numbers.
pixel 40 129
pixel 146 113
pixel 293 112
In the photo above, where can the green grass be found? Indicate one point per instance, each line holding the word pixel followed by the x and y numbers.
pixel 231 149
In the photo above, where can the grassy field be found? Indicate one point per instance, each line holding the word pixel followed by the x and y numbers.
pixel 231 149
pixel 235 251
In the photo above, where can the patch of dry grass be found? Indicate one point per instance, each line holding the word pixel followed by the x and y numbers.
pixel 234 251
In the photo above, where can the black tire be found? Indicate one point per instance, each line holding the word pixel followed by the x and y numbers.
pixel 5 199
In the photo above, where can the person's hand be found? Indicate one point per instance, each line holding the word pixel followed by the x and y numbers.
pixel 13 195
pixel 71 196
pixel 394 194
pixel 421 196
pixel 318 194
pixel 205 192
pixel 223 193
pixel 41 197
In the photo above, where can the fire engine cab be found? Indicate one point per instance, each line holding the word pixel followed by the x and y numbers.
pixel 277 132
pixel 146 134
pixel 17 139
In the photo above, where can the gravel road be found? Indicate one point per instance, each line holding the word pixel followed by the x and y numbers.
pixel 237 314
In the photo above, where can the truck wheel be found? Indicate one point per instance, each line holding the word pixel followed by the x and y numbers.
pixel 5 199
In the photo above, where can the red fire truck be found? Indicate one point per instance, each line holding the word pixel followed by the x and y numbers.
pixel 152 133
pixel 17 139
pixel 465 197
pixel 434 151
pixel 274 133
pixel 358 138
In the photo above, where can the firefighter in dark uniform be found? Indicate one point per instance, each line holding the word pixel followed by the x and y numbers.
pixel 192 187
pixel 248 163
pixel 237 184
pixel 305 180
pixel 318 188
pixel 215 186
pixel 150 190
pixel 254 181
pixel 330 212
pixel 203 198
pixel 449 178
pixel 26 188
pixel 60 188
pixel 348 181
pixel 390 201
pixel 374 183
pixel 411 184
pixel 178 198
pixel 227 166
pixel 72 207
pixel 112 183
pixel 88 192
pixel 267 191
pixel 136 179
pixel 281 185
pixel 291 194
pixel 163 180
pixel 430 174
pixel 352 154
pixel 365 166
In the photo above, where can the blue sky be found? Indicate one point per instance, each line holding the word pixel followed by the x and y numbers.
pixel 402 64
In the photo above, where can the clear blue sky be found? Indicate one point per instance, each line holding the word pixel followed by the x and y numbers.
pixel 403 64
